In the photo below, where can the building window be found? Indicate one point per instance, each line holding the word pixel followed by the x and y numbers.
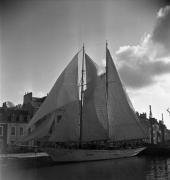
pixel 13 131
pixel 1 130
pixel 21 131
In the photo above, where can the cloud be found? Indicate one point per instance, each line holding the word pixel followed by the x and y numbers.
pixel 145 73
pixel 142 64
pixel 161 32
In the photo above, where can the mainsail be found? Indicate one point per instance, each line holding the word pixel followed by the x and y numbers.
pixel 93 126
pixel 123 123
pixel 62 97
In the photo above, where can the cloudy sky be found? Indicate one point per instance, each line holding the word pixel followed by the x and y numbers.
pixel 38 38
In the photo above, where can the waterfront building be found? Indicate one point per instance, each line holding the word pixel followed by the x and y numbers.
pixel 14 120
pixel 156 130
pixel 3 132
pixel 167 136
pixel 146 125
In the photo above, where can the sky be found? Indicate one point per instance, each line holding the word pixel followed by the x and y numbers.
pixel 38 38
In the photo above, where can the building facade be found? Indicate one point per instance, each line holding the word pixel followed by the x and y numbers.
pixel 156 130
pixel 14 121
pixel 3 136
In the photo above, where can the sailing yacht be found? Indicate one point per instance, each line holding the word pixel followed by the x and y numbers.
pixel 86 121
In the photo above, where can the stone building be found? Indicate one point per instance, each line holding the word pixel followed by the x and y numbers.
pixel 3 132
pixel 156 130
pixel 14 120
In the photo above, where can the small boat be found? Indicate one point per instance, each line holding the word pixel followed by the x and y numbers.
pixel 85 118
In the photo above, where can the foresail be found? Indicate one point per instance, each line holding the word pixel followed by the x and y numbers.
pixel 123 123
pixel 64 91
pixel 92 127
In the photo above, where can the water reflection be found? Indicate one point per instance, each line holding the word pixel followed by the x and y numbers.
pixel 158 168
pixel 136 168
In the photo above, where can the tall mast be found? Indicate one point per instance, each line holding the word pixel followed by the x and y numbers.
pixel 107 90
pixel 150 111
pixel 151 123
pixel 162 117
pixel 106 72
pixel 81 99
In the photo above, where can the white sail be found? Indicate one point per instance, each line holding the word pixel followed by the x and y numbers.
pixel 101 102
pixel 64 91
pixel 62 97
pixel 92 127
pixel 123 123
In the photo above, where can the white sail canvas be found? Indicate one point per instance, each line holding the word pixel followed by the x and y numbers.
pixel 123 122
pixel 63 95
pixel 92 127
pixel 101 102
pixel 64 91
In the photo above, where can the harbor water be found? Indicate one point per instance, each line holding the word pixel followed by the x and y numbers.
pixel 135 168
